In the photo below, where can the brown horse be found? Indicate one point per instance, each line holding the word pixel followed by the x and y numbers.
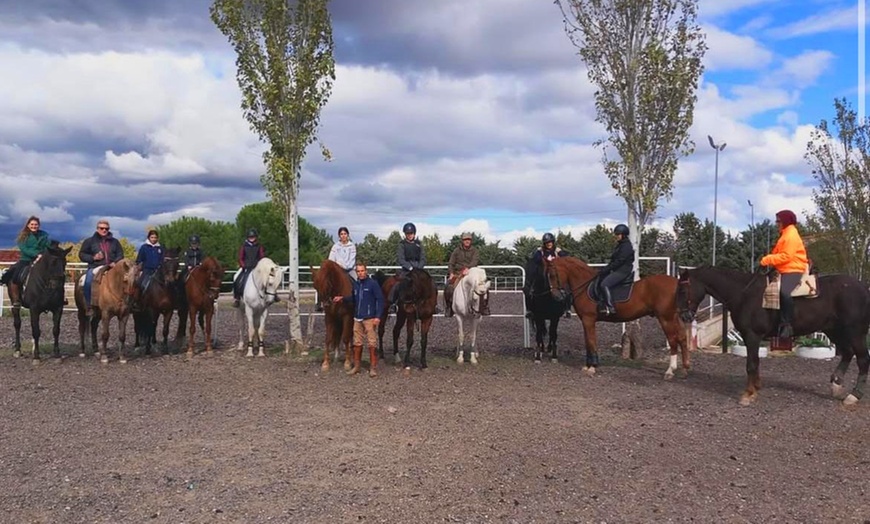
pixel 332 280
pixel 654 295
pixel 111 295
pixel 202 289
pixel 416 301
pixel 159 298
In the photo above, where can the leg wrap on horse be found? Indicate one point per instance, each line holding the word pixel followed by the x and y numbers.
pixel 592 359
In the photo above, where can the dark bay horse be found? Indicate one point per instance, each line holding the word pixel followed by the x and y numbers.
pixel 202 289
pixel 331 280
pixel 416 302
pixel 654 295
pixel 545 308
pixel 43 292
pixel 160 297
pixel 841 311
pixel 111 296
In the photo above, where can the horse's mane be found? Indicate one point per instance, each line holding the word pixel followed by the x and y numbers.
pixel 331 279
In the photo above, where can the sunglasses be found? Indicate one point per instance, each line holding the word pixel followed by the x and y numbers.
pixel 101 228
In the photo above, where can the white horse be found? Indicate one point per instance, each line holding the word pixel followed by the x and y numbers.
pixel 260 292
pixel 467 297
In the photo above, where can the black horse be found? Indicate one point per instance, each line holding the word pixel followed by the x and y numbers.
pixel 417 299
pixel 43 292
pixel 544 307
pixel 841 311
pixel 160 297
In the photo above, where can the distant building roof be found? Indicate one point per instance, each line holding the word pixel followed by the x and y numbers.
pixel 9 255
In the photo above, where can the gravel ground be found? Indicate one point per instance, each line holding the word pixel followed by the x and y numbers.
pixel 231 439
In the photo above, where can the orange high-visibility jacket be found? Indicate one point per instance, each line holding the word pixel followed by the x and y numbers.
pixel 789 255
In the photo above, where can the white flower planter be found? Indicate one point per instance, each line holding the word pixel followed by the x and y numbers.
pixel 740 351
pixel 821 352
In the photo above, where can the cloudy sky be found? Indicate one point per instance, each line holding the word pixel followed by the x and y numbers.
pixel 454 114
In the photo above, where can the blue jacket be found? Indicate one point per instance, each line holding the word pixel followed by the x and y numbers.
pixel 367 298
pixel 150 256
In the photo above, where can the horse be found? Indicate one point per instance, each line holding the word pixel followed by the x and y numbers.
pixel 467 298
pixel 43 292
pixel 654 295
pixel 841 311
pixel 201 290
pixel 160 297
pixel 111 294
pixel 332 280
pixel 416 302
pixel 260 292
pixel 544 308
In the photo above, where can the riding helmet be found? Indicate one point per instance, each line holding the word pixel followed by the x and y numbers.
pixel 548 237
pixel 193 239
pixel 409 228
pixel 621 229
pixel 252 233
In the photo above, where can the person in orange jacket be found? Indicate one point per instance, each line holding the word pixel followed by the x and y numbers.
pixel 789 258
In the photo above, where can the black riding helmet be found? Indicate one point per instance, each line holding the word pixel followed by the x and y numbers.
pixel 193 239
pixel 252 233
pixel 548 237
pixel 409 228
pixel 621 229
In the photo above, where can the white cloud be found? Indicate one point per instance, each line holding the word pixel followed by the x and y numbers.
pixel 804 69
pixel 24 208
pixel 728 51
pixel 824 22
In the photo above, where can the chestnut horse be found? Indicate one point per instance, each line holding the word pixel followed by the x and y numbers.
pixel 841 311
pixel 111 295
pixel 42 292
pixel 416 301
pixel 654 295
pixel 201 290
pixel 159 298
pixel 332 280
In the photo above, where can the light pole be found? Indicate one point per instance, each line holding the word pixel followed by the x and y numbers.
pixel 752 234
pixel 717 147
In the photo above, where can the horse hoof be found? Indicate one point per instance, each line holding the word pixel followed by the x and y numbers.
pixel 474 358
pixel 373 373
pixel 554 360
pixel 850 400
pixel 837 391
pixel 407 372
pixel 347 365
pixel 669 375
pixel 17 354
pixel 82 355
pixel 37 361
pixel 249 354
pixel 104 360
pixel 352 372
pixel 589 371
pixel 537 360
pixel 122 360
pixel 324 368
pixel 746 400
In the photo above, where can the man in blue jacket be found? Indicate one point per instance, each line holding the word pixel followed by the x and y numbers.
pixel 368 302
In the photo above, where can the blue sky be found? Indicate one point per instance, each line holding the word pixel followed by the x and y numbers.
pixel 457 115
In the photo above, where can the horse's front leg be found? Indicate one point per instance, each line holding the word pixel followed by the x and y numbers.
pixel 753 378
pixel 540 327
pixel 122 338
pixel 84 321
pixel 34 326
pixel 55 330
pixel 250 318
pixel 460 340
pixel 192 333
pixel 591 339
pixel 397 331
pixel 673 329
pixel 104 337
pixel 424 340
pixel 167 318
pixel 94 325
pixel 409 339
pixel 347 338
pixel 261 334
pixel 16 321
pixel 475 322
pixel 209 339
pixel 552 336
pixel 382 326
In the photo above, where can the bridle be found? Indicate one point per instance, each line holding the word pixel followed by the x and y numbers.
pixel 571 293
pixel 688 291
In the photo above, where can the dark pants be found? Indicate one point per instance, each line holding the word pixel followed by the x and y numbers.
pixel 612 279
pixel 787 283
pixel 401 282
pixel 239 285
pixel 12 274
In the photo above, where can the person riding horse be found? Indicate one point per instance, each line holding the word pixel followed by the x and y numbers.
pixel 194 254
pixel 789 258
pixel 32 241
pixel 617 270
pixel 410 256
pixel 463 258
pixel 342 253
pixel 149 260
pixel 250 253
pixel 548 250
pixel 101 249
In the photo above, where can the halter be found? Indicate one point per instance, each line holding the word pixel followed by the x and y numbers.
pixel 212 291
pixel 571 292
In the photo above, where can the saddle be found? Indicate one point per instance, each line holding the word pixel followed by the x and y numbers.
pixel 95 283
pixel 621 292
pixel 807 289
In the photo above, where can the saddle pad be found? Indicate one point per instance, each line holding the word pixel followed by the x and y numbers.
pixel 97 271
pixel 807 289
pixel 620 293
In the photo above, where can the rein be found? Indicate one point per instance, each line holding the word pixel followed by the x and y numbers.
pixel 725 303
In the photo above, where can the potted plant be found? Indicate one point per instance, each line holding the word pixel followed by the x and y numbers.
pixel 816 345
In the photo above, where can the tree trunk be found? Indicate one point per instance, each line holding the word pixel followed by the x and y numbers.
pixel 295 325
pixel 632 344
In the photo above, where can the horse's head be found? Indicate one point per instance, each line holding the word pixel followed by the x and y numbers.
pixel 269 276
pixel 214 275
pixel 479 283
pixel 51 268
pixel 131 275
pixel 556 274
pixel 169 268
pixel 690 292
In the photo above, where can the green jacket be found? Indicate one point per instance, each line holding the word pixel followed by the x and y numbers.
pixel 33 245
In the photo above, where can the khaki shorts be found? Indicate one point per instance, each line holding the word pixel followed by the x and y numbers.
pixel 365 328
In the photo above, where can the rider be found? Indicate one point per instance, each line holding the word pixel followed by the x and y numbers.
pixel 463 258
pixel 32 241
pixel 548 250
pixel 789 258
pixel 101 249
pixel 617 270
pixel 250 253
pixel 410 256
pixel 149 260
pixel 194 254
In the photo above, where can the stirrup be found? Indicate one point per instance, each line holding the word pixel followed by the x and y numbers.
pixel 785 330
pixel 394 308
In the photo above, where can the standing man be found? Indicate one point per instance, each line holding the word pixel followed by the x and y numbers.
pixel 461 260
pixel 368 302
pixel 101 249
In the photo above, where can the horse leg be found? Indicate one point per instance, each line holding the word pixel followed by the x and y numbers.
pixel 347 337
pixel 83 328
pixel 327 342
pixel 460 346
pixel 182 327
pixel 261 334
pixel 95 324
pixel 16 321
pixel 845 349
pixel 55 330
pixel 249 317
pixel 122 338
pixel 860 351
pixel 591 339
pixel 34 326
pixel 397 331
pixel 753 378
pixel 409 340
pixel 424 340
pixel 207 330
pixel 192 333
pixel 167 318
pixel 552 335
pixel 382 326
pixel 540 327
pixel 475 321
pixel 672 330
pixel 104 337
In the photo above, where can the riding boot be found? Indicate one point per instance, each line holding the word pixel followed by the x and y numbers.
pixel 786 316
pixel 373 358
pixel 357 357
pixel 448 301
pixel 608 301
pixel 527 297
pixel 484 305
pixel 235 302
pixel 318 307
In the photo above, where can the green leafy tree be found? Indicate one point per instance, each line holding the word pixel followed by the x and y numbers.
pixel 314 243
pixel 839 154
pixel 567 242
pixel 656 243
pixel 285 71
pixel 596 245
pixel 436 252
pixel 644 58
pixel 218 239
pixel 524 247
